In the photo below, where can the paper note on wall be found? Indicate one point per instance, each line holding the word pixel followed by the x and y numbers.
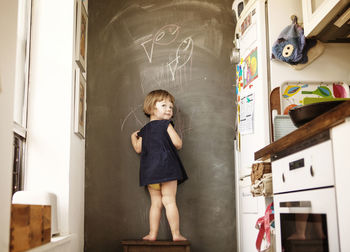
pixel 246 114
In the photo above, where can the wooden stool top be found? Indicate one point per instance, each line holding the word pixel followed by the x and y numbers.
pixel 155 243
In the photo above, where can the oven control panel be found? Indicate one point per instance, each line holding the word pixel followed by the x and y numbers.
pixel 297 164
pixel 307 169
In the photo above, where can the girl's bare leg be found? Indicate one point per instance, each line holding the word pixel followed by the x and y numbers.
pixel 154 214
pixel 169 201
pixel 300 227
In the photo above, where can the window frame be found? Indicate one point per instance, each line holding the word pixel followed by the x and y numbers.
pixel 21 94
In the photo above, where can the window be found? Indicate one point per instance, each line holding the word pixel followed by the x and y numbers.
pixel 18 145
pixel 21 91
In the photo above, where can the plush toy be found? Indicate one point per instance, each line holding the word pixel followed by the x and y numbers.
pixel 292 46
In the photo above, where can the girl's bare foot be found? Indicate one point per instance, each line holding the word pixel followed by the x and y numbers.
pixel 179 238
pixel 150 237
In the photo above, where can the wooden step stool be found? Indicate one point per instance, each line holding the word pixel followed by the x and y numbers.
pixel 155 246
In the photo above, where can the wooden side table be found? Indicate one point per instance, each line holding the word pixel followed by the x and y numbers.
pixel 155 246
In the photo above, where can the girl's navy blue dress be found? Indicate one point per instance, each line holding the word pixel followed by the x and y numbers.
pixel 159 159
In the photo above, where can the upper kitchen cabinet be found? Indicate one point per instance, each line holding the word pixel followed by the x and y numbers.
pixel 327 20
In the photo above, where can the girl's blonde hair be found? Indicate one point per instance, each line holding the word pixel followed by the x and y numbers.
pixel 153 97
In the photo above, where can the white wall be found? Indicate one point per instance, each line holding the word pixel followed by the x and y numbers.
pixel 76 192
pixel 49 105
pixel 8 24
pixel 55 159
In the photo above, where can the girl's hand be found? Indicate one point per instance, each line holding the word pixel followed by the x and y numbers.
pixel 135 134
pixel 136 142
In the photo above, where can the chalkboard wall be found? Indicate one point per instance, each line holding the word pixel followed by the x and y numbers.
pixel 183 46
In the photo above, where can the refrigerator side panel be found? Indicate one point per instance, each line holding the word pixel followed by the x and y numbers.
pixel 252 47
pixel 259 87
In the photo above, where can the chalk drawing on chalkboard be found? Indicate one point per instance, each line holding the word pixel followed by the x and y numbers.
pixel 184 51
pixel 150 81
pixel 173 66
pixel 132 113
pixel 167 34
pixel 148 47
pixel 164 36
pixel 141 84
pixel 183 55
pixel 160 77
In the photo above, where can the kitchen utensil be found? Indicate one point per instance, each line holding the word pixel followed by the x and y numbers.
pixel 310 100
pixel 339 91
pixel 291 90
pixel 275 105
pixel 321 91
pixel 303 114
pixel 293 93
pixel 235 57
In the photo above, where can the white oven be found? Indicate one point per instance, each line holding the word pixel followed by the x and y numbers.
pixel 305 200
pixel 307 221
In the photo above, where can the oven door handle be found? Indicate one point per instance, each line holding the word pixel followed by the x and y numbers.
pixel 289 204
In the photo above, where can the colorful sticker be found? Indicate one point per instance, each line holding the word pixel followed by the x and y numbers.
pixel 239 80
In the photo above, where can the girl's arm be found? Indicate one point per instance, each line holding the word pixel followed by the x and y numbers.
pixel 136 142
pixel 174 137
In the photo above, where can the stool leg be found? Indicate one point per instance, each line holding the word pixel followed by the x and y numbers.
pixel 125 249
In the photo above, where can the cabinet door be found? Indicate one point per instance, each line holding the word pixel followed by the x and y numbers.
pixel 318 13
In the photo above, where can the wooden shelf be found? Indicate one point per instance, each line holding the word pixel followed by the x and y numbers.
pixel 320 124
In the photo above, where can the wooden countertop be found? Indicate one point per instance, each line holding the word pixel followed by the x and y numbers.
pixel 322 123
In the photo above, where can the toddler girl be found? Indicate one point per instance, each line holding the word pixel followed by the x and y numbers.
pixel 160 166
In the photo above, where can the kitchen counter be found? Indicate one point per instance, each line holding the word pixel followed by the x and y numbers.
pixel 312 129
